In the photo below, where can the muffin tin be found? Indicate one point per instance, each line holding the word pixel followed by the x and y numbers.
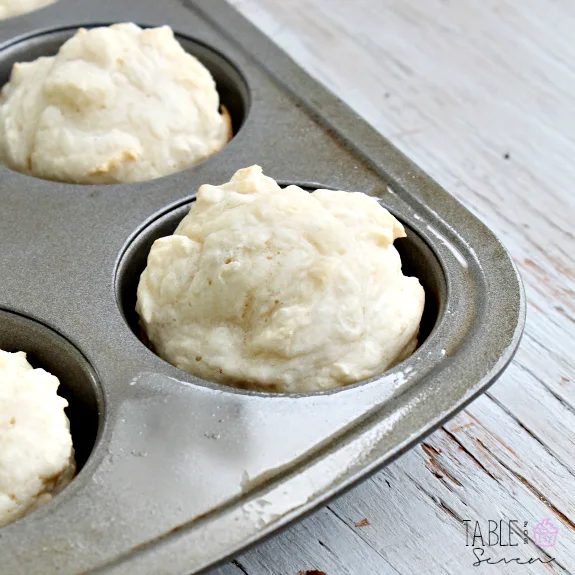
pixel 176 473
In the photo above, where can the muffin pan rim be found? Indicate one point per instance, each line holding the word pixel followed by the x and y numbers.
pixel 408 202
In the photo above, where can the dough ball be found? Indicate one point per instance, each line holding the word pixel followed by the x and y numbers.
pixel 36 454
pixel 10 8
pixel 279 289
pixel 117 104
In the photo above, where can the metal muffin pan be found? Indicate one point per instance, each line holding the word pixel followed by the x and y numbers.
pixel 177 473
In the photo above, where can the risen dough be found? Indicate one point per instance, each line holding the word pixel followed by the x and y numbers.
pixel 117 104
pixel 280 290
pixel 9 8
pixel 36 455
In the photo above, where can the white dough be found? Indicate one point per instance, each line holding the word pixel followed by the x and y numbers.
pixel 10 8
pixel 279 289
pixel 36 454
pixel 117 104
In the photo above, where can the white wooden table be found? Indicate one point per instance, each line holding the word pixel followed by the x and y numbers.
pixel 480 94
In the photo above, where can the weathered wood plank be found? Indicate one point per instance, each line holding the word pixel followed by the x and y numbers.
pixel 228 569
pixel 427 493
pixel 318 543
pixel 542 414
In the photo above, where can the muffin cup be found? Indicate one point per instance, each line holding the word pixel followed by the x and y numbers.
pixel 50 351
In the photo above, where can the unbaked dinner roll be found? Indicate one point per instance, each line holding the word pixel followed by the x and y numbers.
pixel 279 289
pixel 36 454
pixel 117 104
pixel 10 8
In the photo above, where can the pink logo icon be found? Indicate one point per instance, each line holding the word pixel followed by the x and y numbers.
pixel 545 533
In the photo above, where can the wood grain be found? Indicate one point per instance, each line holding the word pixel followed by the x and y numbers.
pixel 479 93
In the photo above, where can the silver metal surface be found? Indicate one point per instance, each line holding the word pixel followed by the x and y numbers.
pixel 184 473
